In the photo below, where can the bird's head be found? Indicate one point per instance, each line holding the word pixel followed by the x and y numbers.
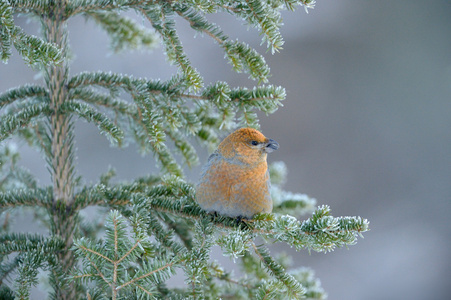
pixel 247 145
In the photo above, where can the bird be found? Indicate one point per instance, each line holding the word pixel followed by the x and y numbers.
pixel 235 180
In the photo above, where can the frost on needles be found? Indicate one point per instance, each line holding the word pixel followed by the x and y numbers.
pixel 149 228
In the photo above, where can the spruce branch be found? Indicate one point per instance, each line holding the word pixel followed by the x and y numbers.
pixel 266 98
pixel 113 194
pixel 34 252
pixel 124 32
pixel 12 122
pixel 20 102
pixel 26 197
pixel 199 23
pixel 269 290
pixel 287 202
pixel 184 148
pixel 6 293
pixel 157 225
pixel 280 228
pixel 196 268
pixel 106 80
pixel 312 285
pixel 27 275
pixel 242 57
pixel 236 243
pixel 37 136
pixel 33 50
pixel 180 229
pixel 36 7
pixel 266 20
pixel 6 29
pixel 88 113
pixel 108 101
pixel 245 59
pixel 26 243
pixel 13 176
pixel 293 288
pixel 320 233
pixel 266 17
pixel 80 6
pixel 107 263
pixel 291 203
pixel 23 92
pixel 157 103
pixel 251 265
pixel 162 20
pixel 8 267
pixel 165 237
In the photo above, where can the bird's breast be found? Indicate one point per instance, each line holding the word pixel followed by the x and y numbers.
pixel 238 171
pixel 234 189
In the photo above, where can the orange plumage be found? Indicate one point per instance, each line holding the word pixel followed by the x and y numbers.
pixel 235 180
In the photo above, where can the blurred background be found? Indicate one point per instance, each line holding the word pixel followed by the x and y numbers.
pixel 365 128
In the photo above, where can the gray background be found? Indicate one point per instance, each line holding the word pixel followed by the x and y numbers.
pixel 366 129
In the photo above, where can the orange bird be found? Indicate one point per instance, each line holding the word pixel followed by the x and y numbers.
pixel 235 180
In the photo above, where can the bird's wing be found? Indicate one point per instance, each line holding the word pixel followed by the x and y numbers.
pixel 213 156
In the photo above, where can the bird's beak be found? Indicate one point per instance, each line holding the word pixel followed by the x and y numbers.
pixel 270 146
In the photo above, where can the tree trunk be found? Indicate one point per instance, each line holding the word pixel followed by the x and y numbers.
pixel 63 218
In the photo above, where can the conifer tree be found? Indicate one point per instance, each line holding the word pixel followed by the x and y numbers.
pixel 152 228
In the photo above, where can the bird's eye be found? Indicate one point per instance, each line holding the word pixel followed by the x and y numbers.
pixel 255 143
